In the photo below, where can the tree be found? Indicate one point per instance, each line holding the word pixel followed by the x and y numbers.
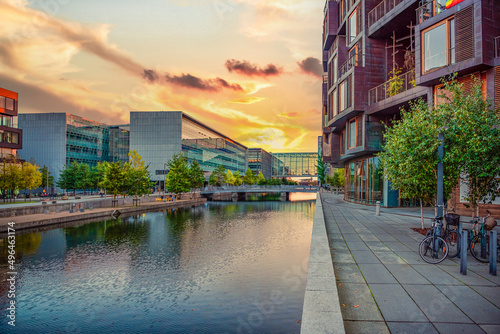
pixel 97 174
pixel 261 180
pixel 114 180
pixel 178 178
pixel 217 176
pixel 409 156
pixel 473 141
pixel 320 169
pixel 137 180
pixel 44 178
pixel 66 178
pixel 249 177
pixel 82 176
pixel 196 174
pixel 31 177
pixel 237 178
pixel 229 177
pixel 11 178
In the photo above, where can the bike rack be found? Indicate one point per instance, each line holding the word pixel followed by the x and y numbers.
pixel 463 251
pixel 493 253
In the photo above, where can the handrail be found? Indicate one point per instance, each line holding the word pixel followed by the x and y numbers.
pixel 430 9
pixel 394 86
pixel 354 60
pixel 381 9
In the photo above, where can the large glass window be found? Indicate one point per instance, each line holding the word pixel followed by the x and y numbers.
pixel 334 70
pixel 9 104
pixel 352 27
pixel 344 94
pixel 439 45
pixel 2 101
pixel 352 133
pixel 334 103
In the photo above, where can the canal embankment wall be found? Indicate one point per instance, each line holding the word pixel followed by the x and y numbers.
pixel 321 311
pixel 60 213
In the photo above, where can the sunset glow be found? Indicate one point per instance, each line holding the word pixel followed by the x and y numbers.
pixel 249 69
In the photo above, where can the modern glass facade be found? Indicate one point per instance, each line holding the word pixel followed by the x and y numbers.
pixel 157 136
pixel 210 148
pixel 10 134
pixel 260 160
pixel 364 181
pixel 56 139
pixel 119 142
pixel 294 164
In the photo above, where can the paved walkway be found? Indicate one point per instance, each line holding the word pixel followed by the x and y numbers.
pixel 385 287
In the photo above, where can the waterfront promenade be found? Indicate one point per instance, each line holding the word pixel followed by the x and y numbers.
pixel 385 287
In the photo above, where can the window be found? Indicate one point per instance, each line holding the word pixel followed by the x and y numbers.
pixel 345 94
pixel 352 27
pixel 9 104
pixel 342 142
pixel 334 103
pixel 352 133
pixel 334 70
pixel 2 101
pixel 353 55
pixel 438 45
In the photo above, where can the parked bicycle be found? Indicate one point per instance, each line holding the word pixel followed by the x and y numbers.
pixel 434 249
pixel 479 239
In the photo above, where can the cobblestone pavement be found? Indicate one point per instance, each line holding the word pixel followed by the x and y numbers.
pixel 385 287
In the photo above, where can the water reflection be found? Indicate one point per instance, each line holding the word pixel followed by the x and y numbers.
pixel 217 268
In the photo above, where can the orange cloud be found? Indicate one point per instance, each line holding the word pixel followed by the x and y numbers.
pixel 290 115
pixel 247 100
pixel 244 67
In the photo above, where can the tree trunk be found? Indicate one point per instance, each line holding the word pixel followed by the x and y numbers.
pixel 422 213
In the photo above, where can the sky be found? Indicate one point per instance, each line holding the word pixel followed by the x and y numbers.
pixel 248 68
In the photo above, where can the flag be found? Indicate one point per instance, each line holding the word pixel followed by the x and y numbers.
pixel 451 3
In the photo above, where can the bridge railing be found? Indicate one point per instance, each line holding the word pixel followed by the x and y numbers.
pixel 256 187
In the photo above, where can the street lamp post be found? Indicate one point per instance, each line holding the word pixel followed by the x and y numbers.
pixel 440 175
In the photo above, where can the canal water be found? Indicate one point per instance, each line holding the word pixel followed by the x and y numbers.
pixel 215 268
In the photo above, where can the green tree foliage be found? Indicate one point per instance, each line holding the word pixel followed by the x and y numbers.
pixel 31 177
pixel 197 176
pixel 44 178
pixel 217 176
pixel 97 174
pixel 237 178
pixel 473 141
pixel 261 180
pixel 229 177
pixel 320 169
pixel 337 180
pixel 115 178
pixel 249 178
pixel 137 178
pixel 178 178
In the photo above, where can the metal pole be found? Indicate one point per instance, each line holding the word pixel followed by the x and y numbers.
pixel 440 175
pixel 377 208
pixel 463 252
pixel 460 228
pixel 493 253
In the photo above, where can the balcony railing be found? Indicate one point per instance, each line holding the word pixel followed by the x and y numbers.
pixel 497 46
pixel 354 60
pixel 392 87
pixel 430 9
pixel 381 9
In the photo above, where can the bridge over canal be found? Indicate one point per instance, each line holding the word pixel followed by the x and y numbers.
pixel 239 192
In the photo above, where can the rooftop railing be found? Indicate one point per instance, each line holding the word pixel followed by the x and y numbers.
pixel 430 9
pixel 392 87
pixel 381 9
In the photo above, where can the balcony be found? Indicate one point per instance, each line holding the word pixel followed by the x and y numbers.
pixel 392 87
pixel 381 9
pixel 497 47
pixel 430 9
pixel 354 60
pixel 330 24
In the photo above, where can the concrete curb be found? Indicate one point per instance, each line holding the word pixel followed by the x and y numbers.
pixel 71 217
pixel 321 312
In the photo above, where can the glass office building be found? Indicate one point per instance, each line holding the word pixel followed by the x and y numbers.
pixel 56 139
pixel 294 164
pixel 158 136
pixel 11 138
pixel 260 160
pixel 119 142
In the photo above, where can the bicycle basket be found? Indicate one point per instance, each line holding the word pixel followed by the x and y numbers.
pixel 490 223
pixel 452 219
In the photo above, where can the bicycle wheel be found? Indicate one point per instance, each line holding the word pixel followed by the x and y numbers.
pixel 479 248
pixel 433 249
pixel 452 238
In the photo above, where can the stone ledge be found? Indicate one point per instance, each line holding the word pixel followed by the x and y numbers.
pixel 321 312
